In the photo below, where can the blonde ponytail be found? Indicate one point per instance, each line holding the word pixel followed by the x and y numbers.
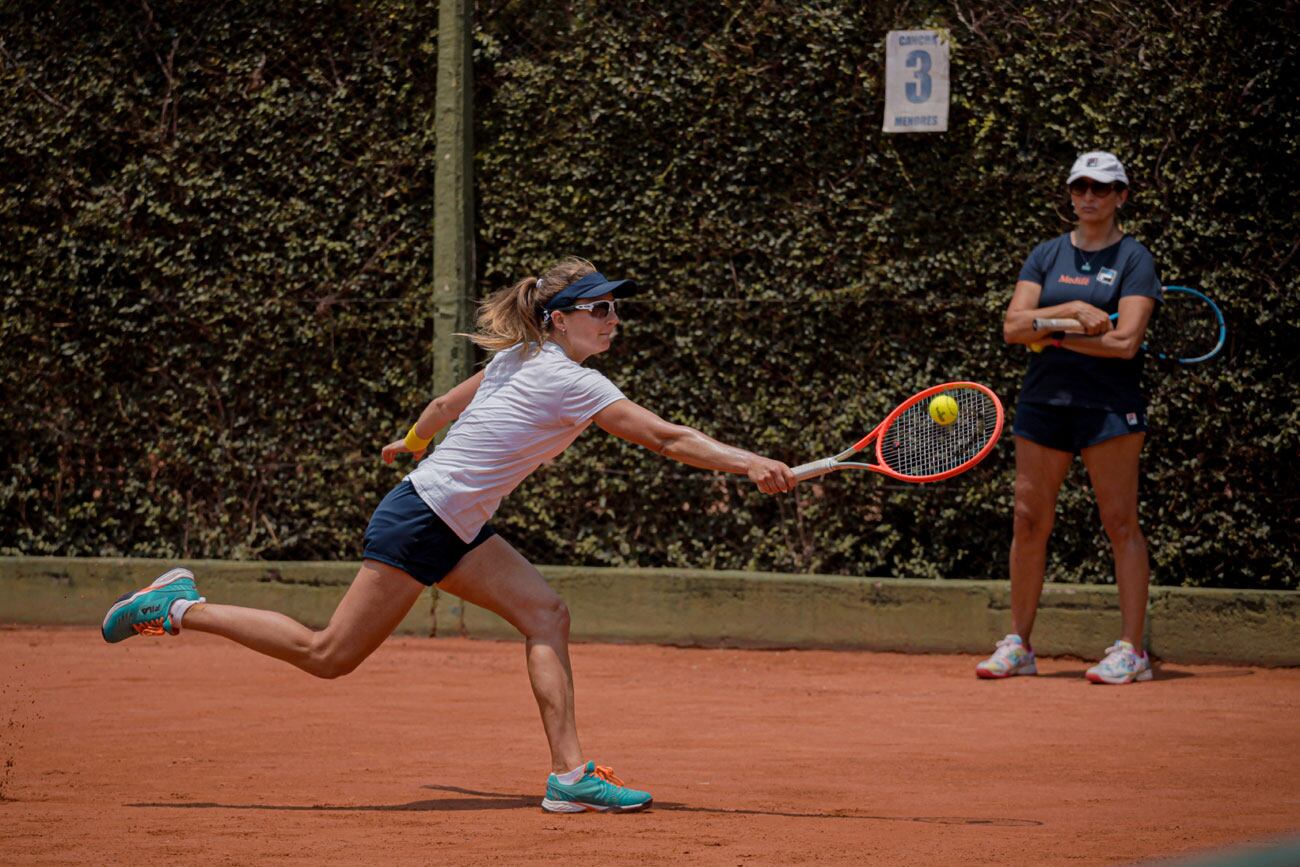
pixel 514 314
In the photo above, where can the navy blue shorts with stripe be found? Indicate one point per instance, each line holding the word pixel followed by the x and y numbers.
pixel 1074 428
pixel 404 532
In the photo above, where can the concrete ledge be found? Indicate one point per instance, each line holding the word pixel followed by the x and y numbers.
pixel 729 609
pixel 78 590
pixel 746 609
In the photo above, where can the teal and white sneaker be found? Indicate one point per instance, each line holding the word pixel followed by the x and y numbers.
pixel 598 791
pixel 149 611
pixel 1122 664
pixel 1010 658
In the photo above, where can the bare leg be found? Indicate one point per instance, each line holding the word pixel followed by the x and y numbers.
pixel 1113 468
pixel 1039 473
pixel 497 577
pixel 380 596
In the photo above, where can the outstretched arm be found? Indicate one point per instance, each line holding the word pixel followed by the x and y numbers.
pixel 441 411
pixel 626 420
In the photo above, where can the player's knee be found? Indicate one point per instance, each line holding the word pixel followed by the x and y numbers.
pixel 1032 522
pixel 1122 528
pixel 551 619
pixel 328 661
pixel 336 668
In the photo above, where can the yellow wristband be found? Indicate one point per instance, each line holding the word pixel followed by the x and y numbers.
pixel 414 442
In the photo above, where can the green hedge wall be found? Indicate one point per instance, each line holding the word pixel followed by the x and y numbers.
pixel 217 235
pixel 201 202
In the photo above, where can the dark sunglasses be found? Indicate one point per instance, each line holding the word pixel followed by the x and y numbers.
pixel 598 309
pixel 1079 186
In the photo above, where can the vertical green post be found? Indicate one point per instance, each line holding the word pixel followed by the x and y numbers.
pixel 453 205
pixel 453 195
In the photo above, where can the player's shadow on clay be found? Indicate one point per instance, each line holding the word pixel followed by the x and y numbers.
pixel 449 805
pixel 506 801
pixel 670 806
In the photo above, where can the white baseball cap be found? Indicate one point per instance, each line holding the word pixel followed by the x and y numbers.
pixel 1100 166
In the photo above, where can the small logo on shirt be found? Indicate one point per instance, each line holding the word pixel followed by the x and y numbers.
pixel 1132 419
pixel 1074 281
pixel 1106 276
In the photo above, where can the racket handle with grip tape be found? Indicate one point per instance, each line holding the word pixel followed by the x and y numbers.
pixel 1058 325
pixel 814 469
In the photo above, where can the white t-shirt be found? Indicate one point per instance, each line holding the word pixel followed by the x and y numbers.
pixel 526 410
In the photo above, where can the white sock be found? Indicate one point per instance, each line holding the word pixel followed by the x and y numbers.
pixel 571 777
pixel 179 607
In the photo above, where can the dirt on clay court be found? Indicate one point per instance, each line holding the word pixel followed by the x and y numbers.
pixel 195 750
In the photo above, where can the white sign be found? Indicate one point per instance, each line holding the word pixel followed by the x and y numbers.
pixel 916 81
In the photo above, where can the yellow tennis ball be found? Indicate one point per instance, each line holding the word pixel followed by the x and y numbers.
pixel 943 409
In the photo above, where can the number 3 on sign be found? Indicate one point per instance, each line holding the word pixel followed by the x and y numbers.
pixel 919 90
pixel 916 81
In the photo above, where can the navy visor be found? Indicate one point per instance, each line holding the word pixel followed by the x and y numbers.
pixel 592 285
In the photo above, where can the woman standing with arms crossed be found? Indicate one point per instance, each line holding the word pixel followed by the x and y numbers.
pixel 526 406
pixel 1082 395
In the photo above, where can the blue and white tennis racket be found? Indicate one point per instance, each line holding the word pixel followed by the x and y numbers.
pixel 1187 329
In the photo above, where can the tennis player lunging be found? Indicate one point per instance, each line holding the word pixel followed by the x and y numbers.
pixel 526 406
pixel 1082 395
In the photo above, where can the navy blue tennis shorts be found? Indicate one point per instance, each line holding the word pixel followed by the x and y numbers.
pixel 404 532
pixel 1074 428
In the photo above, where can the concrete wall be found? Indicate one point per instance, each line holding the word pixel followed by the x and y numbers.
pixel 75 590
pixel 733 609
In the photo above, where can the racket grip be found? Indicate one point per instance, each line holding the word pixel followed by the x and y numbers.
pixel 1057 325
pixel 814 469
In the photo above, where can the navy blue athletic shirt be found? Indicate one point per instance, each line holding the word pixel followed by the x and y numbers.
pixel 1061 377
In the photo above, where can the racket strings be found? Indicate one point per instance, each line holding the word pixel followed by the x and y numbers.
pixel 916 445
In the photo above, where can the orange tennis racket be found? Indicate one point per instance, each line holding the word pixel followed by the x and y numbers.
pixel 933 435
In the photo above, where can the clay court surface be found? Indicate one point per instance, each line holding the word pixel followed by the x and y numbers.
pixel 194 750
